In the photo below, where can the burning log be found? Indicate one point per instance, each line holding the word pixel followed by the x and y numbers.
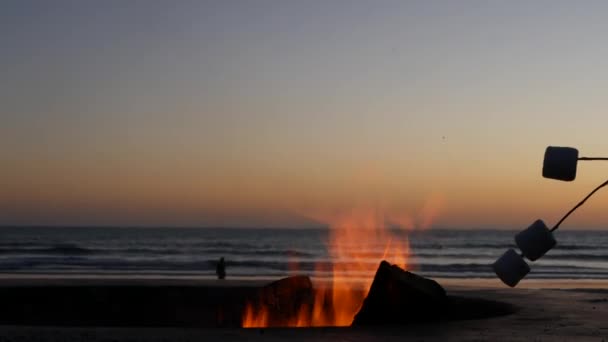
pixel 400 297
pixel 280 303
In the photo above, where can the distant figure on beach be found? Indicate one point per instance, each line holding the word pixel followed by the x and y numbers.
pixel 220 270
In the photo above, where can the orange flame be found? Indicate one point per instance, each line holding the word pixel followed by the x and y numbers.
pixel 358 240
pixel 255 318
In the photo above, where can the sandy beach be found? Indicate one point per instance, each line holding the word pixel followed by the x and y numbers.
pixel 544 311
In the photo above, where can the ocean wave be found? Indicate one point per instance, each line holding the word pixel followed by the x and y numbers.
pixel 311 266
pixel 579 257
pixel 59 249
pixel 500 246
pixel 70 249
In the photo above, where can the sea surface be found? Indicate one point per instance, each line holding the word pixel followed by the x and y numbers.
pixel 269 253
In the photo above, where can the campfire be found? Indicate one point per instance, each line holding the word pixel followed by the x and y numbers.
pixel 299 305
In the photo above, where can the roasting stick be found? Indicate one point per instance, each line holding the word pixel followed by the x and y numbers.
pixel 593 158
pixel 581 202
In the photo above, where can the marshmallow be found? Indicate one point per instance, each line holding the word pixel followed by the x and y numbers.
pixel 535 241
pixel 560 163
pixel 511 268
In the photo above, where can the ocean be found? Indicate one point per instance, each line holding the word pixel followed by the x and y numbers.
pixel 271 253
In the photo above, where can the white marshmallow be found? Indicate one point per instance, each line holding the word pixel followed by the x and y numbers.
pixel 560 163
pixel 535 241
pixel 511 268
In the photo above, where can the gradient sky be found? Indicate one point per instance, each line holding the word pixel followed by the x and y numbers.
pixel 249 113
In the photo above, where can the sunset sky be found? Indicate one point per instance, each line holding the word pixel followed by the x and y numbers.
pixel 273 113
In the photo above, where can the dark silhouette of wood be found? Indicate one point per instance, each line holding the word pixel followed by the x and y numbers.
pixel 284 299
pixel 400 297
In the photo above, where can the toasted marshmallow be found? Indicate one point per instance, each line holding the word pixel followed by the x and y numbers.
pixel 560 163
pixel 511 268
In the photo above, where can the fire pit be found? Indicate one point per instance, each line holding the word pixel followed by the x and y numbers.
pixel 396 297
pixel 170 303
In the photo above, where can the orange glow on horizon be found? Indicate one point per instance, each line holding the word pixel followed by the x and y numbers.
pixel 470 198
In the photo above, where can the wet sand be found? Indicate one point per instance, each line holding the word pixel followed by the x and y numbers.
pixel 569 310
